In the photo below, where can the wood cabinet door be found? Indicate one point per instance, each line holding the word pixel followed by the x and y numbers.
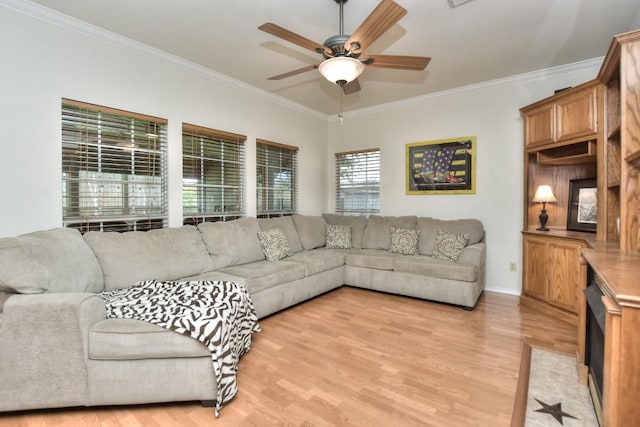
pixel 538 125
pixel 576 115
pixel 536 259
pixel 566 274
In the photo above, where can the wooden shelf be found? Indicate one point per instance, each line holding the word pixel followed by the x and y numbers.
pixel 573 154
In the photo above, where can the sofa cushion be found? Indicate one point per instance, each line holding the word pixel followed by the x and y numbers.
pixel 357 224
pixel 285 224
pixel 338 237
pixel 274 244
pixel 232 242
pixel 128 339
pixel 428 266
pixel 57 260
pixel 318 260
pixel 261 275
pixel 378 229
pixel 371 258
pixel 429 226
pixel 448 245
pixel 404 241
pixel 162 254
pixel 311 229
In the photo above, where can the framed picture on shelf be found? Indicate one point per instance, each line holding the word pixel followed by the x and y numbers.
pixel 583 205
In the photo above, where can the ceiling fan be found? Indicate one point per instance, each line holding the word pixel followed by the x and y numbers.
pixel 344 57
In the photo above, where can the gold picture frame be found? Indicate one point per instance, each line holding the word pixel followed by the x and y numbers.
pixel 445 166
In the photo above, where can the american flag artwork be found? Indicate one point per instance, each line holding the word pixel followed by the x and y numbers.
pixel 445 166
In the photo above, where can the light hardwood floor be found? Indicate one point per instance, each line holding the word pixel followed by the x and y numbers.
pixel 354 357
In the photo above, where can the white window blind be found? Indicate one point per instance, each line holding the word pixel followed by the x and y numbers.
pixel 276 176
pixel 113 169
pixel 212 175
pixel 358 182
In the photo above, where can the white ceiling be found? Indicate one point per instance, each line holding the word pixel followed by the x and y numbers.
pixel 478 41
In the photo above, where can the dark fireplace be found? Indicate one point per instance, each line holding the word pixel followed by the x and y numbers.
pixel 594 351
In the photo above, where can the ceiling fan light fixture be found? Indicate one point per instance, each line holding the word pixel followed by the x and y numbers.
pixel 341 69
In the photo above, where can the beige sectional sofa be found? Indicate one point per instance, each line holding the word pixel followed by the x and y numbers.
pixel 58 349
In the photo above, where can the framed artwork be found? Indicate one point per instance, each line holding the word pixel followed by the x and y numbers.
pixel 583 205
pixel 445 166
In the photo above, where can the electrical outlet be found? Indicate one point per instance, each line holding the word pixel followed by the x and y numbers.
pixel 513 266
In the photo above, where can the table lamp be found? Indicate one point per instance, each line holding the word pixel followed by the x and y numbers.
pixel 544 195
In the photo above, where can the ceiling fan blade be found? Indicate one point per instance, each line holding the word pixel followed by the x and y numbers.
pixel 399 62
pixel 352 87
pixel 292 37
pixel 294 72
pixel 383 17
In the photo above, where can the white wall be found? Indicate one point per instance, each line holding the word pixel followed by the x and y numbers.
pixel 489 111
pixel 44 62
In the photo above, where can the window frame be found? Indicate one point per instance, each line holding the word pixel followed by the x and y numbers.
pixel 114 168
pixel 212 140
pixel 272 158
pixel 371 169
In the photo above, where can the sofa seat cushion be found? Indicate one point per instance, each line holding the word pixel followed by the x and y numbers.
pixel 128 339
pixel 428 266
pixel 261 275
pixel 318 260
pixel 371 258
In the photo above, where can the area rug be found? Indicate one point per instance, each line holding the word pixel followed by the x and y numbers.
pixel 549 392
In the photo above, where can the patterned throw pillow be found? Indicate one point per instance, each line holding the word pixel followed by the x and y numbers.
pixel 448 245
pixel 404 241
pixel 274 244
pixel 338 236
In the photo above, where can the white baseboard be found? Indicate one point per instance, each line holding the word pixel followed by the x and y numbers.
pixel 503 291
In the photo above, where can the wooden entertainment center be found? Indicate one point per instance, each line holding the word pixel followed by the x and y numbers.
pixel 591 131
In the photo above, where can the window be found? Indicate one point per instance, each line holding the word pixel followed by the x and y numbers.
pixel 358 182
pixel 276 176
pixel 212 175
pixel 113 169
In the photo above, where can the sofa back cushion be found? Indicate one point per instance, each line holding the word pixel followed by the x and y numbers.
pixel 311 229
pixel 56 260
pixel 163 254
pixel 377 234
pixel 357 224
pixel 285 224
pixel 232 242
pixel 428 227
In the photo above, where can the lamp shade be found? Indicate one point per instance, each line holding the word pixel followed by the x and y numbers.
pixel 544 194
pixel 341 69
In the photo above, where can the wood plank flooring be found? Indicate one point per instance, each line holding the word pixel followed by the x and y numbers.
pixel 354 357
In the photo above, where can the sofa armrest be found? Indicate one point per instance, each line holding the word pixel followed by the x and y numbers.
pixel 43 349
pixel 475 254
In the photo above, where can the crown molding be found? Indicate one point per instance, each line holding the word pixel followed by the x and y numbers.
pixel 53 17
pixel 589 64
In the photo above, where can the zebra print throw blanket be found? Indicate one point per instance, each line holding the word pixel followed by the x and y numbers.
pixel 219 314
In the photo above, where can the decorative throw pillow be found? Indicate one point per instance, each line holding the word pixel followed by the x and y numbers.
pixel 274 244
pixel 448 245
pixel 338 236
pixel 404 241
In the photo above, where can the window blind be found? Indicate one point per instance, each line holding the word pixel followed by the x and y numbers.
pixel 358 182
pixel 212 175
pixel 276 179
pixel 113 169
